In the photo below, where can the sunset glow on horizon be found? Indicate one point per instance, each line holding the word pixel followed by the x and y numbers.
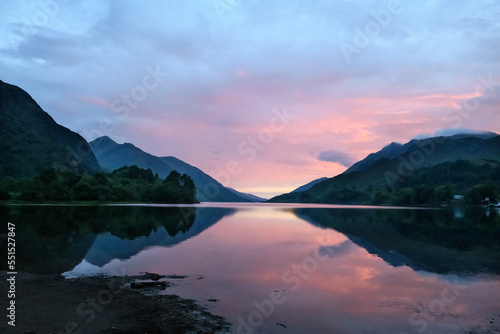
pixel 264 97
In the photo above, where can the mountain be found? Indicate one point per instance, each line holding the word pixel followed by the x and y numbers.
pixel 30 140
pixel 393 150
pixel 309 185
pixel 389 152
pixel 250 197
pixel 397 166
pixel 112 155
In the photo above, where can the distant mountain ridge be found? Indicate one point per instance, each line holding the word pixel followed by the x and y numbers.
pixel 389 167
pixel 250 197
pixel 388 152
pixel 393 150
pixel 444 149
pixel 30 139
pixel 307 186
pixel 112 155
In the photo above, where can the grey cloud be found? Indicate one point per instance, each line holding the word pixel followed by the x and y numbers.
pixel 343 158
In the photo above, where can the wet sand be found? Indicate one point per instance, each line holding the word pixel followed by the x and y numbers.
pixel 52 304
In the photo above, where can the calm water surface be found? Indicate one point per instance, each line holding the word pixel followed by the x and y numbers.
pixel 288 268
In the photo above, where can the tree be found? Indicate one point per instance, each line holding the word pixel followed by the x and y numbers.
pixel 423 194
pixel 403 196
pixel 7 185
pixel 381 196
pixel 444 193
pixel 124 184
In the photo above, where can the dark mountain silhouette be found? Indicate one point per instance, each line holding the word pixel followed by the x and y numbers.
pixel 30 140
pixel 394 150
pixel 112 155
pixel 250 197
pixel 307 186
pixel 388 152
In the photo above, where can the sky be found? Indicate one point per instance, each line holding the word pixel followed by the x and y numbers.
pixel 262 95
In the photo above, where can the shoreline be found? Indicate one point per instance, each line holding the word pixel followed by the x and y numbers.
pixel 232 204
pixel 54 304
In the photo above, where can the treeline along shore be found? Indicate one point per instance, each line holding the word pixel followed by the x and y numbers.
pixel 126 184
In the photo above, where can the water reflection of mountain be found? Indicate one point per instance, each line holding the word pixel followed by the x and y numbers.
pixel 439 241
pixel 49 240
pixel 54 239
pixel 107 246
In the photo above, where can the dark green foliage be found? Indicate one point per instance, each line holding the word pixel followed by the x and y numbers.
pixel 479 192
pixel 168 188
pixel 438 184
pixel 381 196
pixel 127 184
pixel 444 193
pixel 435 185
pixel 345 196
pixel 423 194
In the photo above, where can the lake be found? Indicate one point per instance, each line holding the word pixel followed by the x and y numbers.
pixel 286 268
